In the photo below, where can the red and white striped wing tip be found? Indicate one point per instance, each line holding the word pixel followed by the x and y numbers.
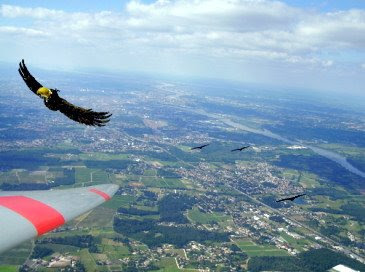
pixel 27 214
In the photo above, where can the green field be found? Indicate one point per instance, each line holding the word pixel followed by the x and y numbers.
pixel 346 150
pixel 87 260
pixel 16 256
pixel 25 176
pixel 114 250
pixel 99 217
pixel 8 268
pixel 253 250
pixel 119 201
pixel 150 172
pixel 97 156
pixel 179 252
pixel 62 248
pixel 170 183
pixel 298 244
pixel 206 218
pixel 308 180
pixel 168 264
pixel 100 176
pixel 83 174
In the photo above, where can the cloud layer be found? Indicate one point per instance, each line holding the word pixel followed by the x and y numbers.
pixel 193 35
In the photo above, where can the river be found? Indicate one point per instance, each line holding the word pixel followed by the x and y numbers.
pixel 341 160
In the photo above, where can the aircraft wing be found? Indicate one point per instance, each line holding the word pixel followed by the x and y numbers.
pixel 28 214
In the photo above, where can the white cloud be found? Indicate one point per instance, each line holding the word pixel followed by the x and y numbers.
pixel 335 30
pixel 231 31
pixel 224 15
pixel 22 31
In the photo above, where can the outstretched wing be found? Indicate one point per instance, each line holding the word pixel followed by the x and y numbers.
pixel 240 149
pixel 283 199
pixel 299 195
pixel 28 214
pixel 81 115
pixel 199 147
pixel 78 114
pixel 31 82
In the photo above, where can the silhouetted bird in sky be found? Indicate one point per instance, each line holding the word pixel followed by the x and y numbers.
pixel 199 147
pixel 290 198
pixel 240 149
pixel 56 103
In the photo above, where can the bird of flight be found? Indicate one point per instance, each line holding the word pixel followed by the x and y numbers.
pixel 290 198
pixel 199 147
pixel 240 149
pixel 27 214
pixel 56 103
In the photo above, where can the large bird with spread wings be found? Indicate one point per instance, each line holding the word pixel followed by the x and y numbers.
pixel 56 103
pixel 290 198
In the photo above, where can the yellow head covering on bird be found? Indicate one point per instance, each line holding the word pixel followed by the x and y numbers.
pixel 44 92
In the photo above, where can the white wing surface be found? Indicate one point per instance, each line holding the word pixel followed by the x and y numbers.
pixel 27 214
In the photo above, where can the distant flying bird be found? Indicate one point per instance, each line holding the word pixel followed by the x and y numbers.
pixel 56 103
pixel 240 149
pixel 290 198
pixel 199 147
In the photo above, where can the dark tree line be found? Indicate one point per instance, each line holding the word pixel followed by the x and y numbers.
pixel 67 179
pixel 40 252
pixel 82 241
pixel 134 211
pixel 149 232
pixel 171 208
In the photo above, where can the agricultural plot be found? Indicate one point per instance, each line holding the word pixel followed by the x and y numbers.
pixel 119 201
pixel 291 174
pixel 150 172
pixel 170 183
pixel 103 156
pixel 8 268
pixel 87 260
pixel 9 177
pixel 206 218
pixel 113 250
pixel 253 250
pixel 16 256
pixel 179 252
pixel 99 176
pixel 16 176
pixel 308 180
pixel 99 217
pixel 82 174
pixel 62 248
pixel 168 264
pixel 298 244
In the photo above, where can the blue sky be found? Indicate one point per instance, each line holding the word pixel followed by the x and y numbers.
pixel 116 5
pixel 306 44
pixel 329 5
